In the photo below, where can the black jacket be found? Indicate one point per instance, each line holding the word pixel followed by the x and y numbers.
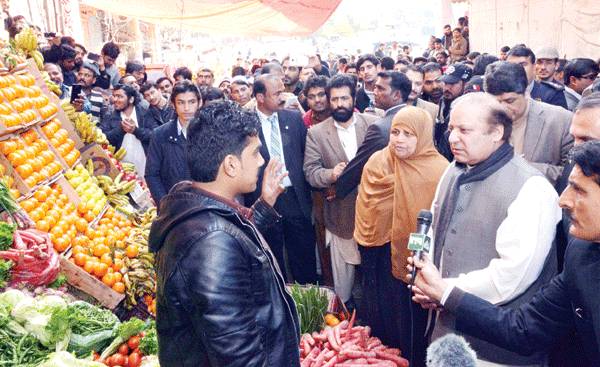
pixel 569 302
pixel 166 163
pixel 111 126
pixel 550 93
pixel 221 299
pixel 161 117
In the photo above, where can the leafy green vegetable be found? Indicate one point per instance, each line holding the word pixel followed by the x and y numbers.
pixel 92 328
pixel 59 328
pixel 149 343
pixel 35 315
pixel 7 232
pixel 21 350
pixel 66 359
pixel 89 319
pixel 60 280
pixel 7 202
pixel 5 266
pixel 311 303
pixel 10 298
pixel 125 331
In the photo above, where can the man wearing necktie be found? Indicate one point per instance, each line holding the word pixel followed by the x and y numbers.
pixel 283 137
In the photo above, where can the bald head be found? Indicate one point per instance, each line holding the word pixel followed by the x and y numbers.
pixel 486 107
pixel 478 127
pixel 272 68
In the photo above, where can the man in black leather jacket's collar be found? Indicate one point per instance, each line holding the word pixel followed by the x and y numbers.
pixel 221 298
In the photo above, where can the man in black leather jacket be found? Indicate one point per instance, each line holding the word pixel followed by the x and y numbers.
pixel 221 298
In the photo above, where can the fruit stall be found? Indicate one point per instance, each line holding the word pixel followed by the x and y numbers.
pixel 77 282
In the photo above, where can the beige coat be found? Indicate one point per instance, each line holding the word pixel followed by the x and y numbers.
pixel 431 108
pixel 459 48
pixel 323 152
pixel 547 140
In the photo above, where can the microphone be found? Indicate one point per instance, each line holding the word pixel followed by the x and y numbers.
pixel 451 351
pixel 419 242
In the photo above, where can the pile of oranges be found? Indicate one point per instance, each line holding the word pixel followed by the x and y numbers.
pixel 31 158
pixel 23 101
pixel 100 250
pixel 59 139
pixel 52 212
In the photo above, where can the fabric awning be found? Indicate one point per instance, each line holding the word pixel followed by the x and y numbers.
pixel 228 17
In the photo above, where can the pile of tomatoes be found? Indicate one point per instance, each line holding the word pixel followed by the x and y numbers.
pixel 128 354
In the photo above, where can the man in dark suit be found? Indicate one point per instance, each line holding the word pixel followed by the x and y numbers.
pixel 569 302
pixel 392 89
pixel 283 137
pixel 539 91
pixel 166 164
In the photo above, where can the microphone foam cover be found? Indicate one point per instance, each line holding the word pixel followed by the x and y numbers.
pixel 451 351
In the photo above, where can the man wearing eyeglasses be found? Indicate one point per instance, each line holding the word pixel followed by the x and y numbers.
pixel 579 74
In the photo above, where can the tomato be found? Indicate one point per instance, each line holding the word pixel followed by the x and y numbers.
pixel 133 342
pixel 134 360
pixel 118 360
pixel 124 349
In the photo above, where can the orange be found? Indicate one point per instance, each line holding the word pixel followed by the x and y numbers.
pixel 89 265
pixel 27 205
pixel 119 287
pixel 106 259
pixel 117 264
pixel 132 251
pixel 118 276
pixel 101 249
pixel 109 279
pixel 81 224
pixel 42 225
pixel 61 244
pixel 100 269
pixel 80 259
pixel 41 195
pixel 89 216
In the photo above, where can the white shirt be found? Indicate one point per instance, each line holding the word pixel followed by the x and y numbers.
pixel 347 137
pixel 523 241
pixel 181 129
pixel 133 146
pixel 266 130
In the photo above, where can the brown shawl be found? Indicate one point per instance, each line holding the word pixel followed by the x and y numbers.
pixel 393 190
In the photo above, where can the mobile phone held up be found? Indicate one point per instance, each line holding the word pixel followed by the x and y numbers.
pixel 75 92
pixel 92 56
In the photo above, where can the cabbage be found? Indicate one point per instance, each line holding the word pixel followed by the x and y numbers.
pixel 10 298
pixel 36 315
pixel 66 359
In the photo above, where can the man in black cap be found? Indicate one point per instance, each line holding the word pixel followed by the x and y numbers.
pixel 455 78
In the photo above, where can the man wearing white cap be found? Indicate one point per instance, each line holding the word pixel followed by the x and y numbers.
pixel 545 64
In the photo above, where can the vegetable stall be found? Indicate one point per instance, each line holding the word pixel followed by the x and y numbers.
pixel 77 282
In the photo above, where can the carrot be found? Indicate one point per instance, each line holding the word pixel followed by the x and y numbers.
pixel 390 357
pixel 331 339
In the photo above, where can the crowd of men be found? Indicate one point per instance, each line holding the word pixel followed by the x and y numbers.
pixel 505 124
